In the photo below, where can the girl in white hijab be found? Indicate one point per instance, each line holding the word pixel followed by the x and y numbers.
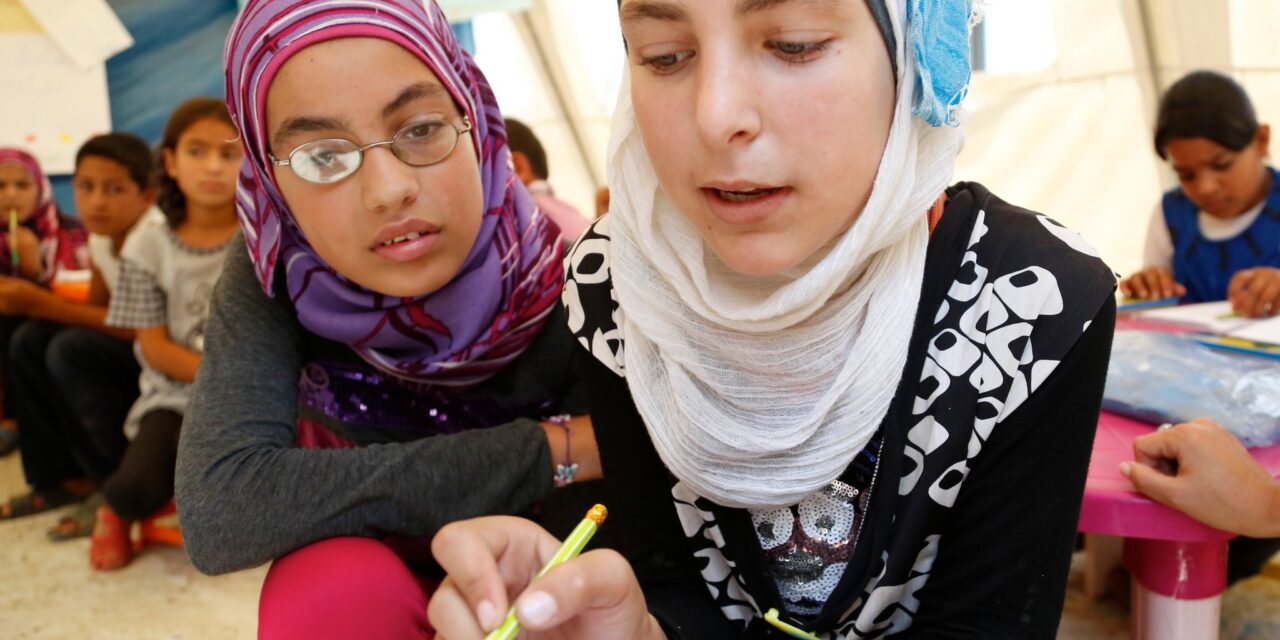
pixel 824 382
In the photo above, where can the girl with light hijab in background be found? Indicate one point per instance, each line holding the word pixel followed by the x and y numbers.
pixel 825 383
pixel 386 352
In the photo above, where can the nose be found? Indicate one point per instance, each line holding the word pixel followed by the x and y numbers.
pixel 727 102
pixel 387 184
pixel 94 198
pixel 1206 184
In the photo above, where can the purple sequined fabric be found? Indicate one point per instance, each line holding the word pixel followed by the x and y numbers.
pixel 367 399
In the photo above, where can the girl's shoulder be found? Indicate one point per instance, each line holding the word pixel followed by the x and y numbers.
pixel 147 240
pixel 593 313
pixel 994 239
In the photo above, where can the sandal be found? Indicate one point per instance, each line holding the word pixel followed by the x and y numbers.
pixel 110 547
pixel 79 523
pixel 38 501
pixel 8 441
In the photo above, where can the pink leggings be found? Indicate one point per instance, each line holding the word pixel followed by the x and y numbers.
pixel 343 588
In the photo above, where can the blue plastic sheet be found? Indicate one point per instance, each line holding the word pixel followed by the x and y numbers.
pixel 1160 377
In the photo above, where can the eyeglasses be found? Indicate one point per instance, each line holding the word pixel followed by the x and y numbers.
pixel 418 144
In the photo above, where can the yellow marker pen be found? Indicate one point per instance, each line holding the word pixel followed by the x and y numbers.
pixel 13 239
pixel 573 545
pixel 771 616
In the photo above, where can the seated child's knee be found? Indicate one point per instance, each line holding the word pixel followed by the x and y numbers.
pixel 342 587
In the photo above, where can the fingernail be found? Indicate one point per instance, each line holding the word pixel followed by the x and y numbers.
pixel 1126 468
pixel 487 615
pixel 537 608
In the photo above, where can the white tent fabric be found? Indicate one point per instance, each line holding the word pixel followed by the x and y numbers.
pixel 1064 129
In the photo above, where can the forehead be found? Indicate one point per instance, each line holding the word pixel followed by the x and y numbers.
pixel 14 172
pixel 1193 152
pixel 334 75
pixel 631 11
pixel 208 131
pixel 102 167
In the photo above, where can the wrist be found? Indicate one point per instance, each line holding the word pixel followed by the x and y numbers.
pixel 40 303
pixel 1270 525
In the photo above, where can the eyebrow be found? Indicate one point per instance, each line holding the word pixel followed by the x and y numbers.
pixel 747 7
pixel 652 10
pixel 411 93
pixel 303 124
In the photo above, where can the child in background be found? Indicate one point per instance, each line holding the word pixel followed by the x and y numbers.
pixel 825 382
pixel 530 160
pixel 1217 235
pixel 388 355
pixel 75 377
pixel 165 279
pixel 42 241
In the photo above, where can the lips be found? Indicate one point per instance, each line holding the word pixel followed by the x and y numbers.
pixel 744 195
pixel 402 232
pixel 742 202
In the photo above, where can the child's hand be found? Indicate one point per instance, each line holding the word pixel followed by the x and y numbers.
pixel 489 560
pixel 1255 293
pixel 1201 469
pixel 1152 283
pixel 28 254
pixel 20 297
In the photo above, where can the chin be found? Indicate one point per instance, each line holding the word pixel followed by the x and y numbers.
pixel 756 258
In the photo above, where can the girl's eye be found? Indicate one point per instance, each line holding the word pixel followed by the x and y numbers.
pixel 797 51
pixel 421 131
pixel 667 62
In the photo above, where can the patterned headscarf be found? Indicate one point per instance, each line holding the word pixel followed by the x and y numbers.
pixel 59 247
pixel 497 303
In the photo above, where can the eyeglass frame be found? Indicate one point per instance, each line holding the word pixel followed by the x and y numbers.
pixel 360 149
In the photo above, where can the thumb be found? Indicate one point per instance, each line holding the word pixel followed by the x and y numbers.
pixel 1150 482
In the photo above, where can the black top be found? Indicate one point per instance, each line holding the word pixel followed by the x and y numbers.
pixel 247 495
pixel 999 397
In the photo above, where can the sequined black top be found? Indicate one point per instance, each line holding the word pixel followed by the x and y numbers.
pixel 247 495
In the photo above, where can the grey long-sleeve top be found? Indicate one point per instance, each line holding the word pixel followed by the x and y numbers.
pixel 247 495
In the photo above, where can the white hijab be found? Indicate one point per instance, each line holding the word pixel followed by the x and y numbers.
pixel 759 391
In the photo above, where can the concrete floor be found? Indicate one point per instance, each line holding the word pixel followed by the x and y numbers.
pixel 51 593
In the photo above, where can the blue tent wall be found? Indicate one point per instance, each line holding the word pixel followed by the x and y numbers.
pixel 177 53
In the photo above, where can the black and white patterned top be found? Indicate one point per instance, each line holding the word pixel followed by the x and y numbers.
pixel 958 519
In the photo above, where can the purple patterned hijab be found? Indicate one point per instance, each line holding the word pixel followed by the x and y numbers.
pixel 499 300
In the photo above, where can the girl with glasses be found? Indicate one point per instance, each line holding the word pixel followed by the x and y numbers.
pixel 386 351
pixel 842 393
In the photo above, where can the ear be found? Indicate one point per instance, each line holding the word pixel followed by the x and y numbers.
pixel 1263 138
pixel 149 196
pixel 524 168
pixel 170 162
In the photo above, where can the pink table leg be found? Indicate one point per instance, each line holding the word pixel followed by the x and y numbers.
pixel 1177 588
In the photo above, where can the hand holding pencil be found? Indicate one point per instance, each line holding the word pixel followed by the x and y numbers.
pixel 492 562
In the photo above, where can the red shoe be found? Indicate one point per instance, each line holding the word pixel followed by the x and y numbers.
pixel 110 547
pixel 161 527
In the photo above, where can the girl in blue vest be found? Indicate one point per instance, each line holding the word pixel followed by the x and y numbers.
pixel 1217 235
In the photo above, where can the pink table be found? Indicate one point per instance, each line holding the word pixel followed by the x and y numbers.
pixel 1179 565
